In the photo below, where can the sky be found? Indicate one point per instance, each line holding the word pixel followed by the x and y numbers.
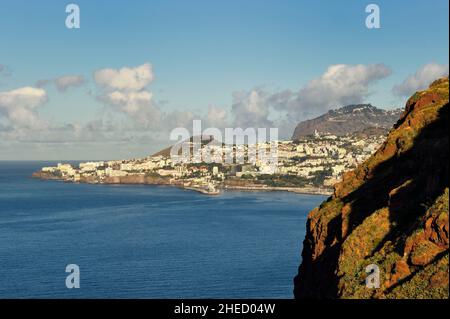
pixel 134 70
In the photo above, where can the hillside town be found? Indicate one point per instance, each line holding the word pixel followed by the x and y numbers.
pixel 311 165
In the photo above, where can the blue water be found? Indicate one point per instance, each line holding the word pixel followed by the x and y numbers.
pixel 145 241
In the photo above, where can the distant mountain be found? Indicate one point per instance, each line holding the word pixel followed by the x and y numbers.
pixel 349 119
pixel 205 139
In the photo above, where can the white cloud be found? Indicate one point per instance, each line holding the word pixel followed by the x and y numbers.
pixel 126 91
pixel 250 109
pixel 137 105
pixel 340 85
pixel 130 102
pixel 421 79
pixel 217 117
pixel 132 79
pixel 177 119
pixel 64 82
pixel 19 106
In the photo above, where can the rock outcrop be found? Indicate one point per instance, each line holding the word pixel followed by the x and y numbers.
pixel 392 212
pixel 360 118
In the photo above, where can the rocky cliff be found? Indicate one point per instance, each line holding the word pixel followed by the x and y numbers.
pixel 349 119
pixel 392 211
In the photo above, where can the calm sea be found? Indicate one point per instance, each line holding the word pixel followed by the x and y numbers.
pixel 145 241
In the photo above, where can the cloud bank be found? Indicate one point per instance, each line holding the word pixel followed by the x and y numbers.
pixel 125 79
pixel 338 86
pixel 127 91
pixel 421 79
pixel 133 122
pixel 63 83
pixel 19 107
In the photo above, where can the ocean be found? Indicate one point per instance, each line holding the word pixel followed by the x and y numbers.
pixel 140 241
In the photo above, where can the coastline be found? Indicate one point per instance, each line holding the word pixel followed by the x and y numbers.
pixel 201 190
pixel 298 190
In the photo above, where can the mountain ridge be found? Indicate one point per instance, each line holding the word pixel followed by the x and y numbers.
pixel 347 120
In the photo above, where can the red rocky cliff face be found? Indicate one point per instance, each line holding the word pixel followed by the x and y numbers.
pixel 392 211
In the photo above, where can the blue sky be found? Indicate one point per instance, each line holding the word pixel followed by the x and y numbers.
pixel 202 53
